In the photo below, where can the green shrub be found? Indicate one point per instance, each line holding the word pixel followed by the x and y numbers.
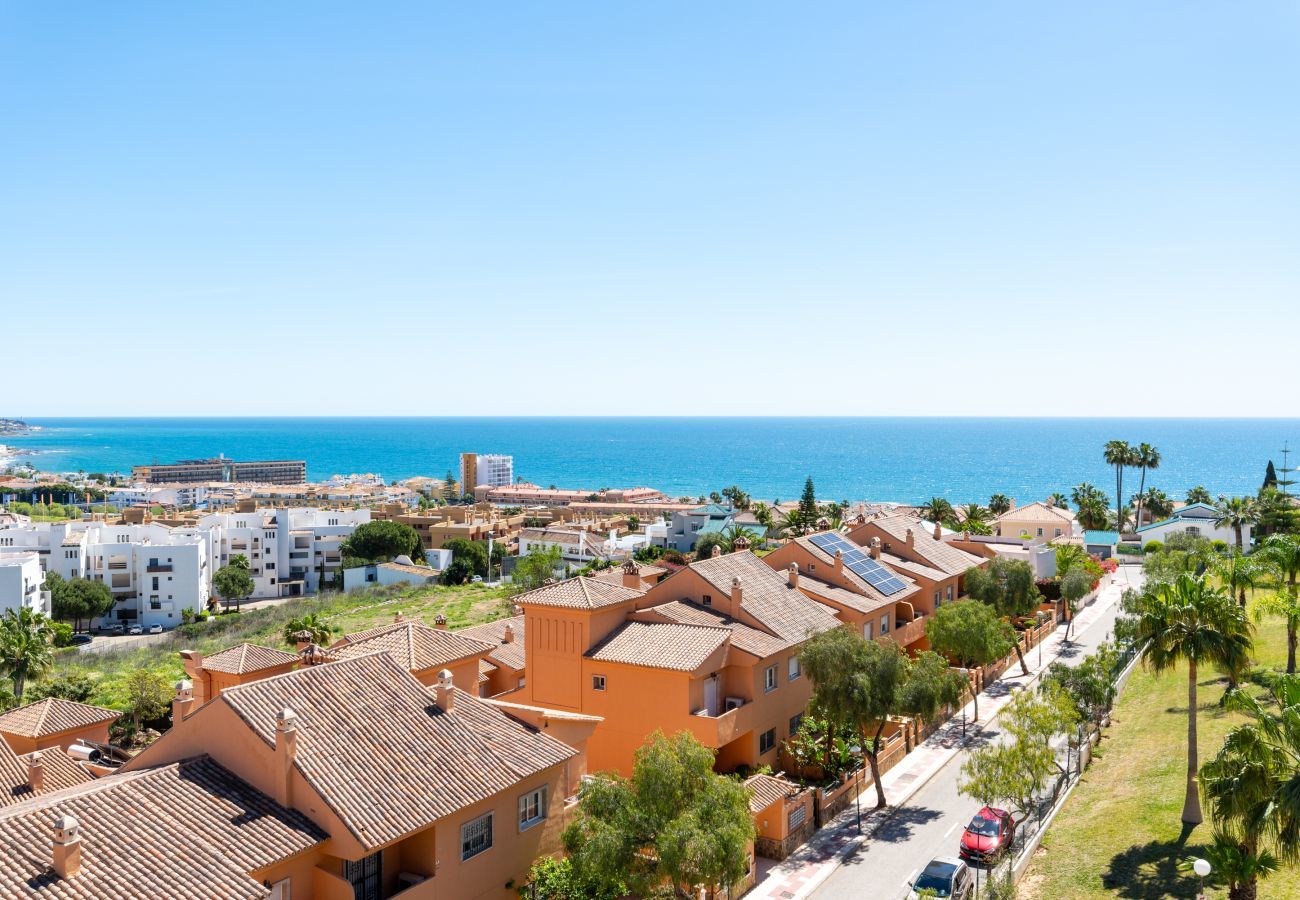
pixel 1219 546
pixel 62 634
pixel 1153 547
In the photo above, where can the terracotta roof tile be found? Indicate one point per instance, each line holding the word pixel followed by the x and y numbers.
pixel 510 655
pixel 412 643
pixel 579 593
pixel 743 637
pixel 61 771
pixel 661 646
pixel 381 755
pixel 939 554
pixel 860 584
pixel 191 831
pixel 767 596
pixel 244 658
pixel 53 715
pixel 764 790
pixel 864 604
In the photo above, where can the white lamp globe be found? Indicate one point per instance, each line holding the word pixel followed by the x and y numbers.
pixel 1201 867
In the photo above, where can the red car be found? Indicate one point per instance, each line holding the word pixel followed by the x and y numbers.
pixel 987 835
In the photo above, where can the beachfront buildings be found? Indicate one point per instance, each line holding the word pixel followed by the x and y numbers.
pixel 22 581
pixel 487 469
pixel 281 471
pixel 347 779
pixel 1195 519
pixel 1039 520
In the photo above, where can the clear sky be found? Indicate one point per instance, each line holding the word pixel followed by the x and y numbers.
pixel 964 208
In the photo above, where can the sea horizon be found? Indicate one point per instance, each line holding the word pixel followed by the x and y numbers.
pixel 904 459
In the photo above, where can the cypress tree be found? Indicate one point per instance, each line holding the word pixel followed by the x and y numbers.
pixel 1270 476
pixel 808 505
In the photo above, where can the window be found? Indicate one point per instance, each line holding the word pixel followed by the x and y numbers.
pixel 866 631
pixel 155 582
pixel 769 679
pixel 798 816
pixel 767 740
pixel 270 567
pixel 950 593
pixel 795 721
pixel 1040 532
pixel 1058 532
pixel 707 600
pixel 365 876
pixel 884 624
pixel 532 808
pixel 795 671
pixel 597 682
pixel 280 890
pixel 812 567
pixel 475 837
pixel 937 598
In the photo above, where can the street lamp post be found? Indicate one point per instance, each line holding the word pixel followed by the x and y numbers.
pixel 1202 868
pixel 857 794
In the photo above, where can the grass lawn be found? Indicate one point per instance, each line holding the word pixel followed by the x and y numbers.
pixel 356 611
pixel 1119 834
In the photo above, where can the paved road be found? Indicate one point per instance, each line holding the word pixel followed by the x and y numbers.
pixel 930 824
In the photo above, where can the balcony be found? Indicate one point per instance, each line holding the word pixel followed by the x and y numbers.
pixel 715 731
pixel 117 566
pixel 906 633
pixel 160 567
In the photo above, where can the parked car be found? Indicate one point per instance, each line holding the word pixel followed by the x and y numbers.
pixel 946 876
pixel 81 639
pixel 988 835
pixel 134 629
pixel 155 629
pixel 112 628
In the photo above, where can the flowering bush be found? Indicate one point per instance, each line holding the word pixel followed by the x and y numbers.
pixel 1109 566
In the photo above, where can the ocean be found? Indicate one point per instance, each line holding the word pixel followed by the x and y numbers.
pixel 907 460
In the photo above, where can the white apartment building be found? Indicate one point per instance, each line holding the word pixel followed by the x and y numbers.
pixel 491 469
pixel 21 579
pixel 156 572
pixel 182 496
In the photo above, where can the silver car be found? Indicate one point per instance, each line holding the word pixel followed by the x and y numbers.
pixel 947 876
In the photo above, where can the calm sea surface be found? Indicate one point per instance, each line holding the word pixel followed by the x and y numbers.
pixel 908 459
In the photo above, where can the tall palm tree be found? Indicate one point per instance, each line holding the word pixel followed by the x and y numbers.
pixel 975 519
pixel 763 513
pixel 1144 457
pixel 25 639
pixel 1199 494
pixel 1194 622
pixel 1059 501
pixel 1120 455
pixel 936 510
pixel 791 524
pixel 1281 554
pixel 1237 573
pixel 999 504
pixel 1250 784
pixel 1235 513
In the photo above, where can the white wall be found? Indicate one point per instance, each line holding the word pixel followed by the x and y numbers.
pixel 21 579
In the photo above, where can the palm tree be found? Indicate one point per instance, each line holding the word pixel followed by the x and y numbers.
pixel 25 639
pixel 1283 603
pixel 734 533
pixel 763 513
pixel 999 504
pixel 1144 457
pixel 1238 574
pixel 1232 861
pixel 313 623
pixel 1235 513
pixel 975 519
pixel 1199 494
pixel 1120 455
pixel 937 510
pixel 1157 503
pixel 1059 500
pixel 1090 504
pixel 1250 785
pixel 1194 622
pixel 791 524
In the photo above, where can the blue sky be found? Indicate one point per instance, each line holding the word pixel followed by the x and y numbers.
pixel 695 208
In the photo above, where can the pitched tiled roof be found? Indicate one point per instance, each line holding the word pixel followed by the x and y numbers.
pixel 860 584
pixel 485 669
pixel 61 771
pixel 644 572
pixel 764 790
pixel 190 830
pixel 913 568
pixel 381 755
pixel 412 643
pixel 1038 511
pixel 579 593
pixel 743 637
pixel 511 654
pixel 660 646
pixel 834 594
pixel 423 571
pixel 244 658
pixel 943 556
pixel 53 715
pixel 767 596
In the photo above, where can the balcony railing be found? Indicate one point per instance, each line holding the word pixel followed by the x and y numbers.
pixel 715 731
pixel 160 567
pixel 906 633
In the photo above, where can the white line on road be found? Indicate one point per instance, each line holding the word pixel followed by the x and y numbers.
pixel 949 832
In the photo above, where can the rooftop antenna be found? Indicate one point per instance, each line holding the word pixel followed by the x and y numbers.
pixel 1286 470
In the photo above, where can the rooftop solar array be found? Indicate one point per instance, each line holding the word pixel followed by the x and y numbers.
pixel 860 563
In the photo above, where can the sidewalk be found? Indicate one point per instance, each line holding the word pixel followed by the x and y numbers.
pixel 797 876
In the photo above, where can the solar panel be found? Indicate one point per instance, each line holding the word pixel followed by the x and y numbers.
pixel 859 563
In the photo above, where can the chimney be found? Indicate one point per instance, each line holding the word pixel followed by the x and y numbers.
pixel 286 748
pixel 792 574
pixel 398 617
pixel 874 548
pixel 839 562
pixel 36 772
pixel 911 538
pixel 737 594
pixel 445 692
pixel 1013 503
pixel 508 635
pixel 193 660
pixel 302 639
pixel 183 702
pixel 1051 502
pixel 631 575
pixel 67 847
pixel 717 551
pixel 440 622
pixel 938 531
pixel 740 544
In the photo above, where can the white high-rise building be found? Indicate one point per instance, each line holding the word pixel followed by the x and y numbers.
pixel 491 469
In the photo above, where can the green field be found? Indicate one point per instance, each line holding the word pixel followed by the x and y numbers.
pixel 1119 834
pixel 464 605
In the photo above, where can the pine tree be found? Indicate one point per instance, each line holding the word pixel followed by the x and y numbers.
pixel 808 505
pixel 1270 476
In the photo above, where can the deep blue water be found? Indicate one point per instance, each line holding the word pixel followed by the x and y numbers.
pixel 903 459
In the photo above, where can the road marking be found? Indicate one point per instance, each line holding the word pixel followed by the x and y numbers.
pixel 954 827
